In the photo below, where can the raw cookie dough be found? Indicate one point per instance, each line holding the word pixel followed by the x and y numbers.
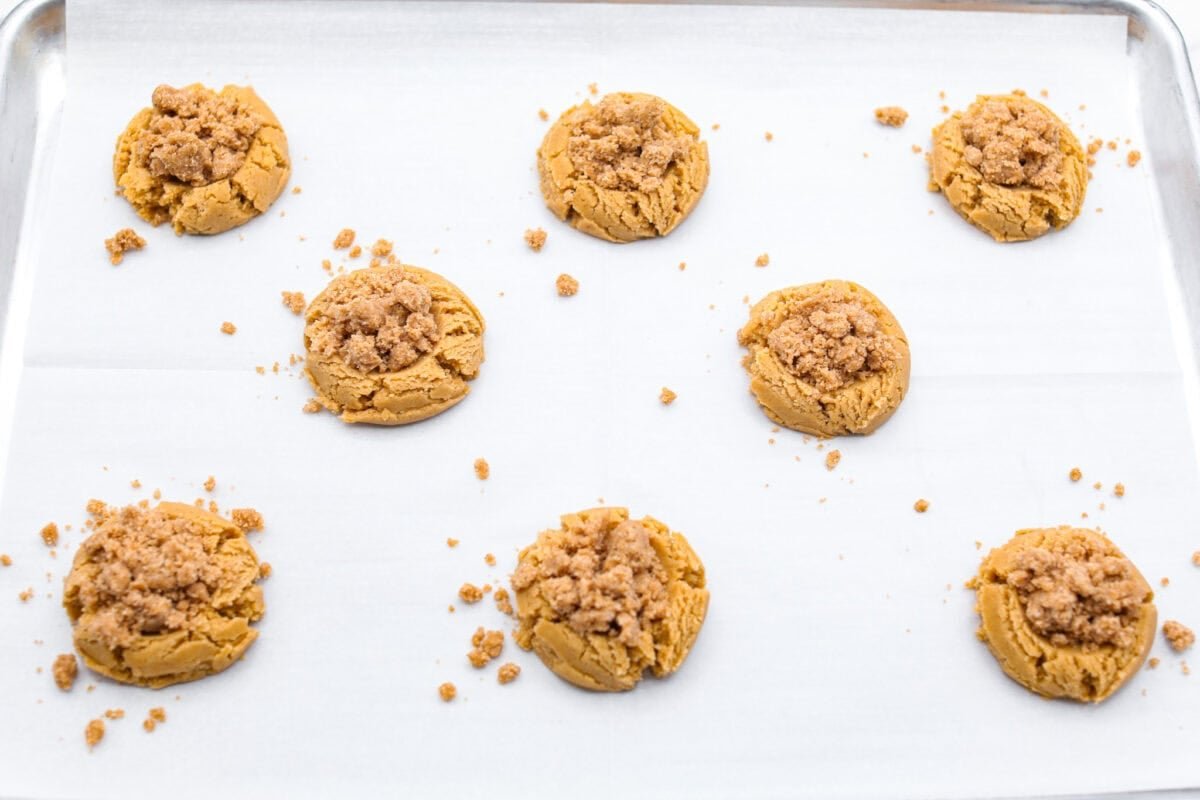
pixel 164 595
pixel 630 167
pixel 391 345
pixel 1064 612
pixel 201 160
pixel 826 358
pixel 1009 166
pixel 604 598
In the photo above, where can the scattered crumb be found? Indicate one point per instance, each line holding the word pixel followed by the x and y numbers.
pixel 542 115
pixel 566 285
pixel 265 569
pixel 294 301
pixel 1153 663
pixel 832 458
pixel 297 190
pixel 121 243
pixel 228 328
pixel 448 691
pixel 65 669
pixel 1133 158
pixel 503 602
pixel 762 260
pixel 535 238
pixel 382 248
pixel 355 252
pixel 489 559
pixel 1183 666
pixel 158 714
pixel 93 733
pixel 666 396
pixel 1076 474
pixel 50 534
pixel 344 239
pixel 327 265
pixel 452 543
pixel 1178 635
pixel 1165 582
pixel 893 116
pixel 921 506
pixel 770 137
pixel 682 266
pixel 1097 486
pixel 978 545
pixel 6 559
pixel 1119 490
pixel 26 595
pixel 1112 144
pixel 593 88
pixel 114 713
pixel 507 673
pixel 486 646
pixel 482 470
pixel 470 593
pixel 135 483
pixel 158 494
pixel 1044 92
pixel 312 406
pixel 716 126
pixel 1195 559
pixel 916 148
pixel 210 484
pixel 247 519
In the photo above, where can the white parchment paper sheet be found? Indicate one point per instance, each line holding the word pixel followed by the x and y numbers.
pixel 838 658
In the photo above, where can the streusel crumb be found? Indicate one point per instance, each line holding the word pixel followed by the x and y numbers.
pixel 1178 635
pixel 482 470
pixel 114 713
pixel 312 406
pixel 566 285
pixel 486 645
pixel 893 116
pixel 503 601
pixel 921 506
pixel 195 136
pixel 344 239
pixel 832 459
pixel 470 593
pixel 1133 157
pixel 507 673
pixel 382 248
pixel 93 733
pixel 451 542
pixel 6 560
pixel 831 342
pixel 447 691
pixel 1119 490
pixel 50 534
pixel 1076 474
pixel 210 483
pixel 666 396
pixel 1013 145
pixel 247 519
pixel 489 559
pixel 64 670
pixel 625 145
pixel 121 243
pixel 228 328
pixel 294 301
pixel 762 261
pixel 536 239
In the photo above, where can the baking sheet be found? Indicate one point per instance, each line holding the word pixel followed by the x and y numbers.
pixel 832 641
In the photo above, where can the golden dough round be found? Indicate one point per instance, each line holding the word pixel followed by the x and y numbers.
pixel 826 358
pixel 604 598
pixel 1010 167
pixel 202 160
pixel 1065 613
pixel 630 167
pixel 392 344
pixel 164 595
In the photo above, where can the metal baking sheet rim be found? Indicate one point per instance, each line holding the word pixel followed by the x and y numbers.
pixel 33 84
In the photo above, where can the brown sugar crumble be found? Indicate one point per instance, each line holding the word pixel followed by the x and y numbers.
pixel 832 459
pixel 355 252
pixel 452 542
pixel 1119 490
pixel 247 519
pixel 666 396
pixel 1133 157
pixel 762 261
pixel 65 669
pixel 507 673
pixel 486 645
pixel 344 239
pixel 382 248
pixel 50 534
pixel 158 714
pixel 470 593
pixel 892 116
pixel 489 559
pixel 601 579
pixel 1077 595
pixel 1013 145
pixel 114 713
pixel 210 483
pixel 294 301
pixel 382 324
pixel 93 733
pixel 121 243
pixel 265 569
pixel 1076 475
pixel 566 285
pixel 535 238
pixel 1178 635
pixel 543 115
pixel 228 328
pixel 447 691
pixel 482 470
pixel 5 560
pixel 831 342
pixel 1153 663
pixel 624 145
pixel 26 595
pixel 921 506
pixel 503 601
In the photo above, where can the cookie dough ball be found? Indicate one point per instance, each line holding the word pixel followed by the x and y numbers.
pixel 392 344
pixel 201 160
pixel 1009 166
pixel 1065 613
pixel 630 167
pixel 604 598
pixel 826 358
pixel 163 595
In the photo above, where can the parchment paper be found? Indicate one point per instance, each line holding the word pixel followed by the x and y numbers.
pixel 839 656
